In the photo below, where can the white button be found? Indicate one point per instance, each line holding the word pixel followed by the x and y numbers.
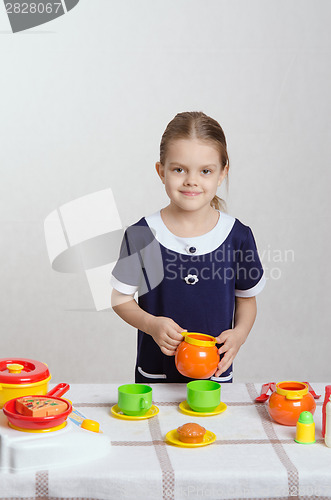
pixel 191 279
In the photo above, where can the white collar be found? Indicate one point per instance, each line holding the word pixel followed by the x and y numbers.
pixel 203 244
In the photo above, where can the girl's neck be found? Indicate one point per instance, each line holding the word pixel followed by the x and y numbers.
pixel 187 224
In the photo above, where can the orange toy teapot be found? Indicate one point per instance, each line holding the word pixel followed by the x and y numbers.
pixel 289 400
pixel 197 356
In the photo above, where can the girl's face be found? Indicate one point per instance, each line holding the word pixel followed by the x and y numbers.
pixel 192 173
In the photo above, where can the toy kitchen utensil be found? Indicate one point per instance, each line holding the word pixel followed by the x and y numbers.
pixel 305 431
pixel 22 377
pixel 326 400
pixel 327 436
pixel 197 356
pixel 203 395
pixel 117 412
pixel 184 408
pixel 289 400
pixel 272 387
pixel 39 424
pixel 312 392
pixel 134 400
pixel 264 392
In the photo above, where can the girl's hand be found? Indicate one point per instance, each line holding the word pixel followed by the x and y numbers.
pixel 166 333
pixel 232 340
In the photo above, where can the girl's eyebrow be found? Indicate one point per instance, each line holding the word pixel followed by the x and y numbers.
pixel 184 166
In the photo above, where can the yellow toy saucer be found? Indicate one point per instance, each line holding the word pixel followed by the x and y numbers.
pixel 184 407
pixel 172 437
pixel 119 414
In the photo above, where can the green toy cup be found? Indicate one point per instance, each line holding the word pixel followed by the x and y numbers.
pixel 134 399
pixel 203 395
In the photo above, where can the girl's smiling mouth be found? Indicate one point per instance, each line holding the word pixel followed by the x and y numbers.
pixel 190 193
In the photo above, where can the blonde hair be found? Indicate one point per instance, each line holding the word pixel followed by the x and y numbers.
pixel 197 125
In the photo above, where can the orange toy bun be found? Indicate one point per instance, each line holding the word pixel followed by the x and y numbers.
pixel 191 433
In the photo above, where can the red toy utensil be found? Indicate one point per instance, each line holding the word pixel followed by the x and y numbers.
pixel 264 391
pixel 312 392
pixel 326 400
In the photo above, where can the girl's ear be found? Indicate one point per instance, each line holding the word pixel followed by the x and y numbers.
pixel 223 174
pixel 160 170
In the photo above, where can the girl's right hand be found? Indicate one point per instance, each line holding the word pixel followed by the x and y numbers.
pixel 166 333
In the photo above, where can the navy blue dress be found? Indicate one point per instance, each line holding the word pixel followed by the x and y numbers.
pixel 193 281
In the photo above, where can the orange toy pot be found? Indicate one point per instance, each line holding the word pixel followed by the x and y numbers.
pixel 288 401
pixel 197 356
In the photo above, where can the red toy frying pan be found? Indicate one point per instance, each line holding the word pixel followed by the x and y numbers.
pixel 24 422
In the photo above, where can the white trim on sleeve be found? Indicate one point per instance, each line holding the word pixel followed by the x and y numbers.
pixel 251 292
pixel 223 379
pixel 151 375
pixel 122 287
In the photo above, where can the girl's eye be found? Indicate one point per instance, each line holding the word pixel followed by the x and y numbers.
pixel 178 169
pixel 206 171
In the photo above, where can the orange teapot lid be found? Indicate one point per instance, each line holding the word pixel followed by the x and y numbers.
pixel 199 339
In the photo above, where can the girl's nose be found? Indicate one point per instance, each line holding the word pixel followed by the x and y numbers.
pixel 190 180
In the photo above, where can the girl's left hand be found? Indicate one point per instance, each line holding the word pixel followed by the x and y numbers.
pixel 232 340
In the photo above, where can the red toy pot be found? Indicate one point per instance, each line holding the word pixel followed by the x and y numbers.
pixel 197 356
pixel 22 377
pixel 289 400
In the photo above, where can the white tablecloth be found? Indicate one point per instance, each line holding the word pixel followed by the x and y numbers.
pixel 252 457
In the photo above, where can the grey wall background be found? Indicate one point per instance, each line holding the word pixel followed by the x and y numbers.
pixel 84 102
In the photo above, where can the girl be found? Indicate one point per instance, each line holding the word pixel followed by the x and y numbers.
pixel 195 268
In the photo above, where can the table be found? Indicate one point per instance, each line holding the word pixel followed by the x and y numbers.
pixel 252 457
